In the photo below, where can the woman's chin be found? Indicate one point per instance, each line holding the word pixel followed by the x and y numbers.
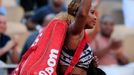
pixel 89 26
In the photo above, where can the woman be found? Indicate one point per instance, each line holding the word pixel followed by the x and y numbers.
pixel 84 19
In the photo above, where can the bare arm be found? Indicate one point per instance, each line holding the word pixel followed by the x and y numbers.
pixel 76 28
pixel 114 45
pixel 81 17
pixel 14 54
pixel 6 48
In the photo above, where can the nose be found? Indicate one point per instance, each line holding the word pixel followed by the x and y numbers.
pixel 95 18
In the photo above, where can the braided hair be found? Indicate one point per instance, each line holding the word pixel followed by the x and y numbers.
pixel 72 11
pixel 73 7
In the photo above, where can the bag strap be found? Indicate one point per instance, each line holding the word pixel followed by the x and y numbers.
pixel 31 49
pixel 77 54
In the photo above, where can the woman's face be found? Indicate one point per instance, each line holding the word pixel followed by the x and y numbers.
pixel 91 21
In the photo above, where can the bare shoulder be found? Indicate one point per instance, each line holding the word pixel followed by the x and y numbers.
pixel 72 41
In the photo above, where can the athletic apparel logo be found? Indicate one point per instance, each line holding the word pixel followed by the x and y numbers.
pixel 51 63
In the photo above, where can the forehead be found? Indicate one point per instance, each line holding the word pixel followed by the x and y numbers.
pixel 107 19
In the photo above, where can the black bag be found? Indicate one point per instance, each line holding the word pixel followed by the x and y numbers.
pixel 95 71
pixel 92 70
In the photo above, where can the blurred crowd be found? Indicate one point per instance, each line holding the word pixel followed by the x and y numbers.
pixel 38 13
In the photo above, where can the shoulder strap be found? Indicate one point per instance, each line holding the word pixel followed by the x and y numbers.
pixel 77 54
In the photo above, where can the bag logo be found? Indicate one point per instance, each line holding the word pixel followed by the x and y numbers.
pixel 51 63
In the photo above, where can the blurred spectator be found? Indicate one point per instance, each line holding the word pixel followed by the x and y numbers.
pixel 108 50
pixel 54 7
pixel 33 36
pixel 30 5
pixel 41 3
pixel 7 45
pixel 128 12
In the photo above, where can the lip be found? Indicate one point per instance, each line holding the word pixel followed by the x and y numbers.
pixel 93 23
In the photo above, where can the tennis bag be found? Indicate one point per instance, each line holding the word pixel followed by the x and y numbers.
pixel 42 58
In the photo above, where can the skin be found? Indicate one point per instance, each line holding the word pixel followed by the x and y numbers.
pixel 107 27
pixel 92 34
pixel 11 45
pixel 2 24
pixel 84 20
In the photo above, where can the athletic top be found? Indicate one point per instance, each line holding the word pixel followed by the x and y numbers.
pixel 4 39
pixel 84 61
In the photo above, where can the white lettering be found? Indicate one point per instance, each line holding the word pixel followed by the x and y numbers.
pixel 51 63
pixel 54 54
pixel 37 40
pixel 49 70
pixel 42 73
